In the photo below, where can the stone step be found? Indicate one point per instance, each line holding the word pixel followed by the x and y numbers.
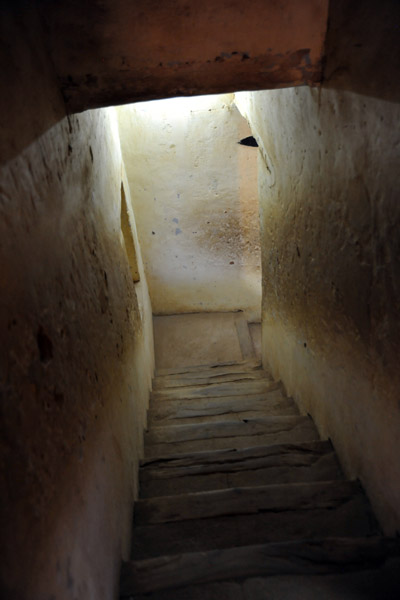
pixel 229 434
pixel 218 389
pixel 286 409
pixel 221 469
pixel 375 584
pixel 232 367
pixel 244 500
pixel 207 379
pixel 202 373
pixel 174 412
pixel 247 516
pixel 305 557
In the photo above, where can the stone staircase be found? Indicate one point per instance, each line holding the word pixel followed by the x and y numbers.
pixel 241 500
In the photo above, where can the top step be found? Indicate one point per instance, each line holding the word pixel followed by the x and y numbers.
pixel 229 367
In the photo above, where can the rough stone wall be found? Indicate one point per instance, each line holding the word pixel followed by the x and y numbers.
pixel 76 364
pixel 330 223
pixel 194 190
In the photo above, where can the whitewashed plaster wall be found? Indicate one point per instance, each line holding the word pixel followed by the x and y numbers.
pixel 194 192
pixel 330 222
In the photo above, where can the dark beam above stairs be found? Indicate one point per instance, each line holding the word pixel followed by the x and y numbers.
pixel 118 51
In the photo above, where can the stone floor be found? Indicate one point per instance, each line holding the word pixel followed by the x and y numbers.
pixel 204 338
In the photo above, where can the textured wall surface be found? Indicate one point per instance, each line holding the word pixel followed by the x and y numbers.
pixel 194 190
pixel 328 165
pixel 76 363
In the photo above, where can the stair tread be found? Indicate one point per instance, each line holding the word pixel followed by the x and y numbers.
pixel 234 454
pixel 227 369
pixel 351 518
pixel 225 428
pixel 274 391
pixel 216 389
pixel 381 583
pixel 211 367
pixel 229 434
pixel 300 434
pixel 182 411
pixel 245 500
pixel 221 469
pixel 160 383
pixel 220 414
pixel 304 557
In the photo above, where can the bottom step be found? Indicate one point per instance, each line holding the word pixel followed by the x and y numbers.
pixel 336 555
pixel 246 516
pixel 382 584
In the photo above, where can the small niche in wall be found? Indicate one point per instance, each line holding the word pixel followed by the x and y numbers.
pixel 129 240
pixel 249 141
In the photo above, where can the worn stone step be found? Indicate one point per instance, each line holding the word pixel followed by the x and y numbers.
pixel 244 500
pixel 381 583
pixel 304 557
pixel 286 409
pixel 285 463
pixel 224 428
pixel 218 389
pixel 176 412
pixel 160 383
pixel 231 456
pixel 204 373
pixel 232 367
pixel 339 509
pixel 229 434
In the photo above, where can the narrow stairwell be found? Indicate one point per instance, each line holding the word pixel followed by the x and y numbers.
pixel 241 500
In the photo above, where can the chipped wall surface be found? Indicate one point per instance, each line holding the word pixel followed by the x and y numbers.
pixel 330 223
pixel 194 191
pixel 76 365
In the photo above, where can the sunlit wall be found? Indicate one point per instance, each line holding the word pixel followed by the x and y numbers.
pixel 194 191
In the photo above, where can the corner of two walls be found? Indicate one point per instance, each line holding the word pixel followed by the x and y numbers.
pixel 77 362
pixel 330 222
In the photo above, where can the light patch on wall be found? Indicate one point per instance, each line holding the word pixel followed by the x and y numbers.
pixel 195 202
